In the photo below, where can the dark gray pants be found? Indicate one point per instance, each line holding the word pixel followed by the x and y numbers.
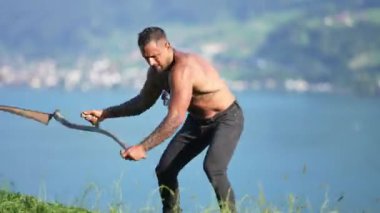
pixel 221 134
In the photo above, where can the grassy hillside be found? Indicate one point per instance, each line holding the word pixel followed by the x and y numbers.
pixel 15 202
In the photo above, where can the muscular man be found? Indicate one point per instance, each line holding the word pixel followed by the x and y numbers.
pixel 201 100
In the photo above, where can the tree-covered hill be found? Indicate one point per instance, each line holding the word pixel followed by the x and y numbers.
pixel 340 48
pixel 319 41
pixel 53 28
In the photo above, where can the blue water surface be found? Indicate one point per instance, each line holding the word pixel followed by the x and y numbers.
pixel 321 148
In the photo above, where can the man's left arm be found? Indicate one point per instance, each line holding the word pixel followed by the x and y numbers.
pixel 181 94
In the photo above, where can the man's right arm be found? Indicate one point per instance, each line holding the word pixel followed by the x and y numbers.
pixel 140 103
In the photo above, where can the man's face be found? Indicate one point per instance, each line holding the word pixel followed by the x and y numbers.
pixel 156 54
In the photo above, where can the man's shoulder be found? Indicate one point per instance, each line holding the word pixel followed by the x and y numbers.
pixel 153 77
pixel 152 72
pixel 185 60
pixel 185 57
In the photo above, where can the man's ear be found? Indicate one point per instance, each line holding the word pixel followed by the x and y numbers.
pixel 167 44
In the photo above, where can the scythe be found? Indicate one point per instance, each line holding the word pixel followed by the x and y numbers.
pixel 44 118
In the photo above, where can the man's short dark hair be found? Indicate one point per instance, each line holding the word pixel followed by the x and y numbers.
pixel 150 34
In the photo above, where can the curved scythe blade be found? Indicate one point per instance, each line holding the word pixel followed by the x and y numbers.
pixel 45 118
pixel 26 113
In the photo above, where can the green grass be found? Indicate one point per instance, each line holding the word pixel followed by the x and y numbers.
pixel 15 202
pixel 89 201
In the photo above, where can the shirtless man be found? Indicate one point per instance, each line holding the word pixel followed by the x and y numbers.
pixel 200 100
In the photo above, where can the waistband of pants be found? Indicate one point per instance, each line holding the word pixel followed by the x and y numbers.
pixel 233 106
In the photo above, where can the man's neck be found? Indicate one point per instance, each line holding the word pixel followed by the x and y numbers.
pixel 172 61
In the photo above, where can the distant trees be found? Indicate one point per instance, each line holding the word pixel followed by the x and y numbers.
pixel 316 47
pixel 52 27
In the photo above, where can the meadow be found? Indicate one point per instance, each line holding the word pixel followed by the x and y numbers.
pixel 16 202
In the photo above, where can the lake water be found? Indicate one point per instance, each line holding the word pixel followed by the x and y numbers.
pixel 320 148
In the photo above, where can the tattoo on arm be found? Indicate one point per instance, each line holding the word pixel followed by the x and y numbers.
pixel 167 127
pixel 135 106
pixel 139 104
